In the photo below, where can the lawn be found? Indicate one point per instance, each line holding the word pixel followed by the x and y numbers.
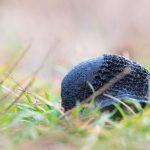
pixel 31 117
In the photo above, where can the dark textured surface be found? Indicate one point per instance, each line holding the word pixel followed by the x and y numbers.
pixel 98 71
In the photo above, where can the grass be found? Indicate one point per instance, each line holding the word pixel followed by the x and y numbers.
pixel 31 118
pixel 36 121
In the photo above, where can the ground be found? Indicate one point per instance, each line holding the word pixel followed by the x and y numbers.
pixel 31 118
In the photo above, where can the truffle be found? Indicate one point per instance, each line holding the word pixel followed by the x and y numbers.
pixel 99 71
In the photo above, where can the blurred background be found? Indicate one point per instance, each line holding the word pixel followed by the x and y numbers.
pixel 72 30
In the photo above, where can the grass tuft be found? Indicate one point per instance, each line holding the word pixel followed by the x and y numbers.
pixel 35 120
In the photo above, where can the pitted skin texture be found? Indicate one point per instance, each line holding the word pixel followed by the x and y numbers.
pixel 99 71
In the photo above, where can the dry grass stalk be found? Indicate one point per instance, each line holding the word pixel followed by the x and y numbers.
pixel 121 102
pixel 15 64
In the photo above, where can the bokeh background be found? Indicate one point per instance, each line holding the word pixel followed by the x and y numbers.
pixel 77 29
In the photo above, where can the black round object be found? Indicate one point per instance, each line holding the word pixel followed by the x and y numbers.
pixel 98 71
